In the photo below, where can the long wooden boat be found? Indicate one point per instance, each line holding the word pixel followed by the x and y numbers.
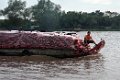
pixel 61 53
pixel 54 52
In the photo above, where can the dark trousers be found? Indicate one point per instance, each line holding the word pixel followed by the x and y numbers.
pixel 88 41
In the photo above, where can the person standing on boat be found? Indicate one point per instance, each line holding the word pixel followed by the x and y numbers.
pixel 88 39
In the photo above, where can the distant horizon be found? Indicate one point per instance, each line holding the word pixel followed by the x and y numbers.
pixel 78 5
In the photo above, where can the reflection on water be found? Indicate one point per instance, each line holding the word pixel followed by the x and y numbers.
pixel 105 66
pixel 45 68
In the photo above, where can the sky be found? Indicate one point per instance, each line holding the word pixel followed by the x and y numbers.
pixel 78 5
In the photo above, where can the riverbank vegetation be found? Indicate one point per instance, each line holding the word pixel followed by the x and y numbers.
pixel 48 16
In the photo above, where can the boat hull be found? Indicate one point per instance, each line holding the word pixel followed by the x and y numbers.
pixel 59 53
pixel 48 52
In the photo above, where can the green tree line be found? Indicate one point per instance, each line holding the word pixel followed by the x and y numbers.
pixel 48 16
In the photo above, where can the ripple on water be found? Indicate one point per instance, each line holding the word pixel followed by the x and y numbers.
pixel 98 67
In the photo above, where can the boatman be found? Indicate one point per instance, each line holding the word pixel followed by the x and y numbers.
pixel 88 39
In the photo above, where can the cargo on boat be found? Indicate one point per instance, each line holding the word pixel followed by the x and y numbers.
pixel 18 43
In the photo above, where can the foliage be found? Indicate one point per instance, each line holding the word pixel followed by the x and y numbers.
pixel 13 12
pixel 47 16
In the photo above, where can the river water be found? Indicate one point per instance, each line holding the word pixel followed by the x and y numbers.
pixel 105 66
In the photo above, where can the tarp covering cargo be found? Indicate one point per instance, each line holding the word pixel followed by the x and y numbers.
pixel 19 40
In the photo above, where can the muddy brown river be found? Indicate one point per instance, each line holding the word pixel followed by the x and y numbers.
pixel 105 66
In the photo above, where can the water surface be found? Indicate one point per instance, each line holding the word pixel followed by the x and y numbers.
pixel 105 66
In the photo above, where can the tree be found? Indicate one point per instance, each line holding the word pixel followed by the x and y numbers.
pixel 70 20
pixel 14 13
pixel 0 12
pixel 46 15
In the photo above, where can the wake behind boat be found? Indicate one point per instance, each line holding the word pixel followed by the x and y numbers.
pixel 17 43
